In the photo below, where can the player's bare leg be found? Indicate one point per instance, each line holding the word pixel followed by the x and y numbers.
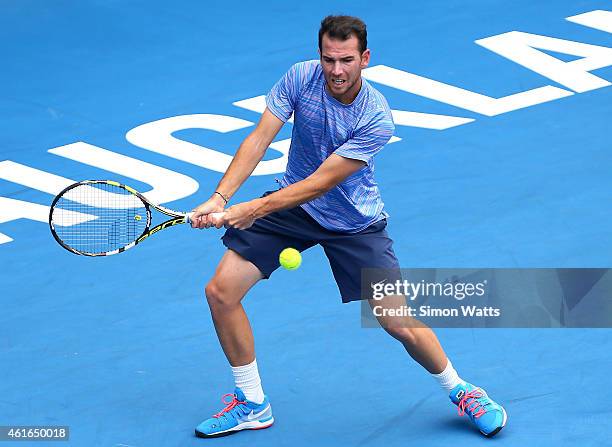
pixel 418 339
pixel 247 407
pixel 232 280
pixel 424 347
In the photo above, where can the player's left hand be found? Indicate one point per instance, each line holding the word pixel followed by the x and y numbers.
pixel 240 216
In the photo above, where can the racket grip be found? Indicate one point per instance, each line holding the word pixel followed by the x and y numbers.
pixel 214 215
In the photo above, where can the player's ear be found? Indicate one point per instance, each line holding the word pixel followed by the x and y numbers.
pixel 365 58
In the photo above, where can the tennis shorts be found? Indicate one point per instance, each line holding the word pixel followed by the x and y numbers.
pixel 348 253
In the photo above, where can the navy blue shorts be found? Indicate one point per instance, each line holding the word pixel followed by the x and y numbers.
pixel 347 253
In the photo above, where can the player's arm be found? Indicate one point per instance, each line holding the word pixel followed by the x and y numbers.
pixel 249 154
pixel 331 172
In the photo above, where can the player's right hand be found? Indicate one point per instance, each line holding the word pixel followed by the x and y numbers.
pixel 201 215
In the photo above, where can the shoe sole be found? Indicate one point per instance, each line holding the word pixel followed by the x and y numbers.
pixel 498 429
pixel 254 425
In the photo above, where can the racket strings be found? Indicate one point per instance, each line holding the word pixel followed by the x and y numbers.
pixel 98 218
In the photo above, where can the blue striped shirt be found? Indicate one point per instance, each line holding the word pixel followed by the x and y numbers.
pixel 324 126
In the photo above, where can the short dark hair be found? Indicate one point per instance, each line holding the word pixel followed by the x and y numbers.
pixel 343 27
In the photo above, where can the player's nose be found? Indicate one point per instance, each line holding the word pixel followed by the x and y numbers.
pixel 336 70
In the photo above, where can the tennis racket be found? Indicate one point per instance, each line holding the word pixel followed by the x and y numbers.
pixel 103 217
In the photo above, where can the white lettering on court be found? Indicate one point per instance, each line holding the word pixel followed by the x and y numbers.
pixel 524 49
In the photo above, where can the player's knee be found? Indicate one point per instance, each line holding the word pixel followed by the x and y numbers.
pixel 216 295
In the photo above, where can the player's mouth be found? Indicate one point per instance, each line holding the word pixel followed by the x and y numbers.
pixel 338 82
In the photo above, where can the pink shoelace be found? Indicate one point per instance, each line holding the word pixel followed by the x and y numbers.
pixel 229 405
pixel 469 402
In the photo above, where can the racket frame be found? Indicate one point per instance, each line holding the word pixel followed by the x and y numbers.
pixel 177 217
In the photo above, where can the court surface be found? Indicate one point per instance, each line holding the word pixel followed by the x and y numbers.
pixel 122 349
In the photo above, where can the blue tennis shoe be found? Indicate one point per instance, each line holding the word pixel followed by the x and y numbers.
pixel 486 414
pixel 239 414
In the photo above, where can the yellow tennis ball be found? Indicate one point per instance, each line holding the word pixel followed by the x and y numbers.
pixel 290 258
pixel 137 217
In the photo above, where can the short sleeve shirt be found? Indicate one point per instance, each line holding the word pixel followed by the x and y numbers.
pixel 324 126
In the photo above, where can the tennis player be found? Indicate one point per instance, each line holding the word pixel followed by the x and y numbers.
pixel 328 196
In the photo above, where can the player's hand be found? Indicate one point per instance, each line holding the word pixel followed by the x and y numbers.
pixel 200 217
pixel 240 216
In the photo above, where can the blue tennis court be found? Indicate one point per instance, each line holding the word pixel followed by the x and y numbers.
pixel 499 160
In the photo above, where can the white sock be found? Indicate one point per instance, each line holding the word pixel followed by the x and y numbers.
pixel 448 379
pixel 247 379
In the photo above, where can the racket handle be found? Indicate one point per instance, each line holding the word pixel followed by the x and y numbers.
pixel 214 215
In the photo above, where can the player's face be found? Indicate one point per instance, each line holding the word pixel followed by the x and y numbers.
pixel 342 64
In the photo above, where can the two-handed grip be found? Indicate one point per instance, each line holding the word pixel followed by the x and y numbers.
pixel 214 215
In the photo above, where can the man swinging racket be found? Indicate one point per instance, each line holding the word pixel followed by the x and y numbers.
pixel 328 196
